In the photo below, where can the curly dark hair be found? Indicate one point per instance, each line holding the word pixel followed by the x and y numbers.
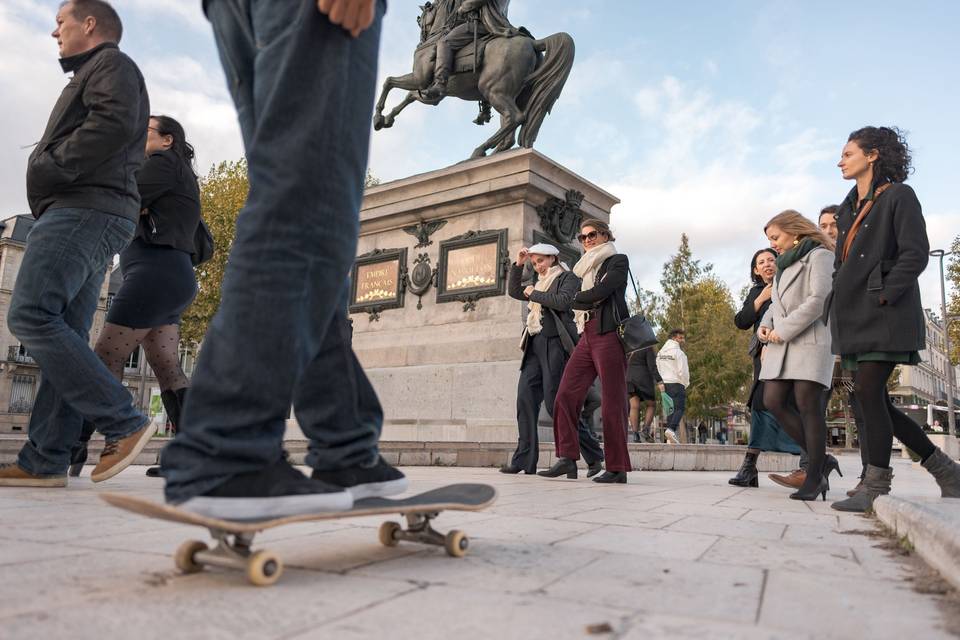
pixel 753 264
pixel 894 161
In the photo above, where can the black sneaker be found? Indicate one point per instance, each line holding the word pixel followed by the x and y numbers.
pixel 276 491
pixel 376 481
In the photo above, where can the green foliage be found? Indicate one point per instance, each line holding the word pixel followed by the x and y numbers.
pixel 223 192
pixel 953 297
pixel 695 300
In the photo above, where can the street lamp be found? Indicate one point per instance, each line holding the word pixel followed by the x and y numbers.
pixel 951 418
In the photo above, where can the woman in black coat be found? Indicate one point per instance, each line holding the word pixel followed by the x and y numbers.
pixel 765 432
pixel 549 337
pixel 876 316
pixel 643 380
pixel 158 279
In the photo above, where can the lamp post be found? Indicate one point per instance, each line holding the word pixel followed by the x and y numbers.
pixel 951 418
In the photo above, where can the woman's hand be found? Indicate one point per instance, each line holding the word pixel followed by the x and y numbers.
pixel 766 294
pixel 773 337
pixel 763 334
pixel 522 256
pixel 528 291
pixel 353 15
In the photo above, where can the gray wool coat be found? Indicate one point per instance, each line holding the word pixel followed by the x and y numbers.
pixel 796 313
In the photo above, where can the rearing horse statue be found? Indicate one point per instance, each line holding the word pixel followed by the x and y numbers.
pixel 518 76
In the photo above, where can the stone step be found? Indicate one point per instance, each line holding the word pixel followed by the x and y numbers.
pixel 649 457
pixel 931 525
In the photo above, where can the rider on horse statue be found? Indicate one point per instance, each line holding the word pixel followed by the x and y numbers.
pixel 471 19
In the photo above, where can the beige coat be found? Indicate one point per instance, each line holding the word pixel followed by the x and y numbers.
pixel 796 313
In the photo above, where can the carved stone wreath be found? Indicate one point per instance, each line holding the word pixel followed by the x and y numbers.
pixel 560 219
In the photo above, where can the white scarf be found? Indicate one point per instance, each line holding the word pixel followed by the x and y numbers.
pixel 586 269
pixel 535 313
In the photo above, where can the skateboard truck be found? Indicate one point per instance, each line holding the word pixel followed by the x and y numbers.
pixel 419 530
pixel 263 568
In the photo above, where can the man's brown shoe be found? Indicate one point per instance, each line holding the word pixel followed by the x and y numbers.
pixel 119 454
pixel 12 475
pixel 792 481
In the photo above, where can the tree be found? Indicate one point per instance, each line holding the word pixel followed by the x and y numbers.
pixel 223 193
pixel 953 296
pixel 700 303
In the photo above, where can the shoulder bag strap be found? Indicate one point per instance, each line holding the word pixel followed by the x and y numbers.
pixel 848 242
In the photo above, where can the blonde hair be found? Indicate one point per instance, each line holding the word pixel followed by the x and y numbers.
pixel 794 223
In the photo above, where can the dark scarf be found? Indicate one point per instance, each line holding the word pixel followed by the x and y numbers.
pixel 797 253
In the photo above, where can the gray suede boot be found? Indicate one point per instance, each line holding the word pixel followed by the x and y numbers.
pixel 876 482
pixel 946 472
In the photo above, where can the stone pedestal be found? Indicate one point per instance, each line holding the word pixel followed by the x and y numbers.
pixel 448 371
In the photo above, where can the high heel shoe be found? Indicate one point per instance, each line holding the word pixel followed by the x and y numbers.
pixel 560 467
pixel 831 464
pixel 811 494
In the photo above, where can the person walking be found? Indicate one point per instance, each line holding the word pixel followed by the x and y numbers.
pixel 876 316
pixel 599 307
pixel 797 359
pixel 302 76
pixel 158 280
pixel 675 372
pixel 765 432
pixel 549 337
pixel 82 189
pixel 643 381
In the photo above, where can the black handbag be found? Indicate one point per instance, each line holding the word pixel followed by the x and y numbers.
pixel 635 332
pixel 203 244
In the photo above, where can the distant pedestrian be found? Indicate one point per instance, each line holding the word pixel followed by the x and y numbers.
pixel 82 188
pixel 643 381
pixel 797 360
pixel 599 306
pixel 549 337
pixel 675 372
pixel 157 269
pixel 766 434
pixel 876 315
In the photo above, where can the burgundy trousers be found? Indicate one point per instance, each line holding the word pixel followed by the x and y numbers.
pixel 594 355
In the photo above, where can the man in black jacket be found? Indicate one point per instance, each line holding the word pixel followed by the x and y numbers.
pixel 81 186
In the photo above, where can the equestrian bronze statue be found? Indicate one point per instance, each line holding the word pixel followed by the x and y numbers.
pixel 469 50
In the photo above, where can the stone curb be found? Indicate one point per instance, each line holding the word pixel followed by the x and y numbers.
pixel 932 526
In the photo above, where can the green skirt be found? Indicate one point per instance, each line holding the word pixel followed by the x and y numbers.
pixel 850 361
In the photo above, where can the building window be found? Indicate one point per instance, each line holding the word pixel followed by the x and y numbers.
pixel 133 361
pixel 21 394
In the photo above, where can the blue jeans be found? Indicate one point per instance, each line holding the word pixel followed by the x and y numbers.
pixel 677 393
pixel 304 92
pixel 54 299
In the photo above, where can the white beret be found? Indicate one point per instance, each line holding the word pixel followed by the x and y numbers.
pixel 544 249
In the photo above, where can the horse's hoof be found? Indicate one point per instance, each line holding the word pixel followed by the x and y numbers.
pixel 378 122
pixel 479 153
pixel 387 122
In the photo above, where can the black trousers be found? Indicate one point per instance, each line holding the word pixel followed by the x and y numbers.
pixel 540 375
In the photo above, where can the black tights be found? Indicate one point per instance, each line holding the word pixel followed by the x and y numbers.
pixel 805 422
pixel 882 420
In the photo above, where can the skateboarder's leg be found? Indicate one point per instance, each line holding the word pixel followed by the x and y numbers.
pixel 304 91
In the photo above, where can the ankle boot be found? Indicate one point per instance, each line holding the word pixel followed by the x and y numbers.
pixel 560 467
pixel 612 477
pixel 946 472
pixel 747 475
pixel 876 483
pixel 594 469
pixel 636 437
pixel 856 489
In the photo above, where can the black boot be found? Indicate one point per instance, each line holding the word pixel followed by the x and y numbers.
pixel 594 468
pixel 560 467
pixel 636 437
pixel 612 477
pixel 438 89
pixel 509 468
pixel 78 456
pixel 747 475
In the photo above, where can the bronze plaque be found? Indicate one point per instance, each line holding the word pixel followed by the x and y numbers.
pixel 472 267
pixel 377 282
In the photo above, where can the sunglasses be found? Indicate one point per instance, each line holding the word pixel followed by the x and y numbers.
pixel 583 237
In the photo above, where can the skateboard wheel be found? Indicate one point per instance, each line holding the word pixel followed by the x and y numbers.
pixel 388 533
pixel 456 543
pixel 264 568
pixel 184 557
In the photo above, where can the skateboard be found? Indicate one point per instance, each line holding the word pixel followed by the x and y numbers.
pixel 234 538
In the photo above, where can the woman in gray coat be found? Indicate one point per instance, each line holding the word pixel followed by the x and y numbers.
pixel 797 357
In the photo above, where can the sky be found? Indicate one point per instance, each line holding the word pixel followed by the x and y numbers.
pixel 703 117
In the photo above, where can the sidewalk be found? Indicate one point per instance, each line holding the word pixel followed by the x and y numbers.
pixel 671 555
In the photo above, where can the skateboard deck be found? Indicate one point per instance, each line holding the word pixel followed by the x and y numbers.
pixel 235 537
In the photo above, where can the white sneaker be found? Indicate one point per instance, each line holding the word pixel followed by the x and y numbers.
pixel 671 436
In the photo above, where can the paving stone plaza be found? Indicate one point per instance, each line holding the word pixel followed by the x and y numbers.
pixel 670 555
